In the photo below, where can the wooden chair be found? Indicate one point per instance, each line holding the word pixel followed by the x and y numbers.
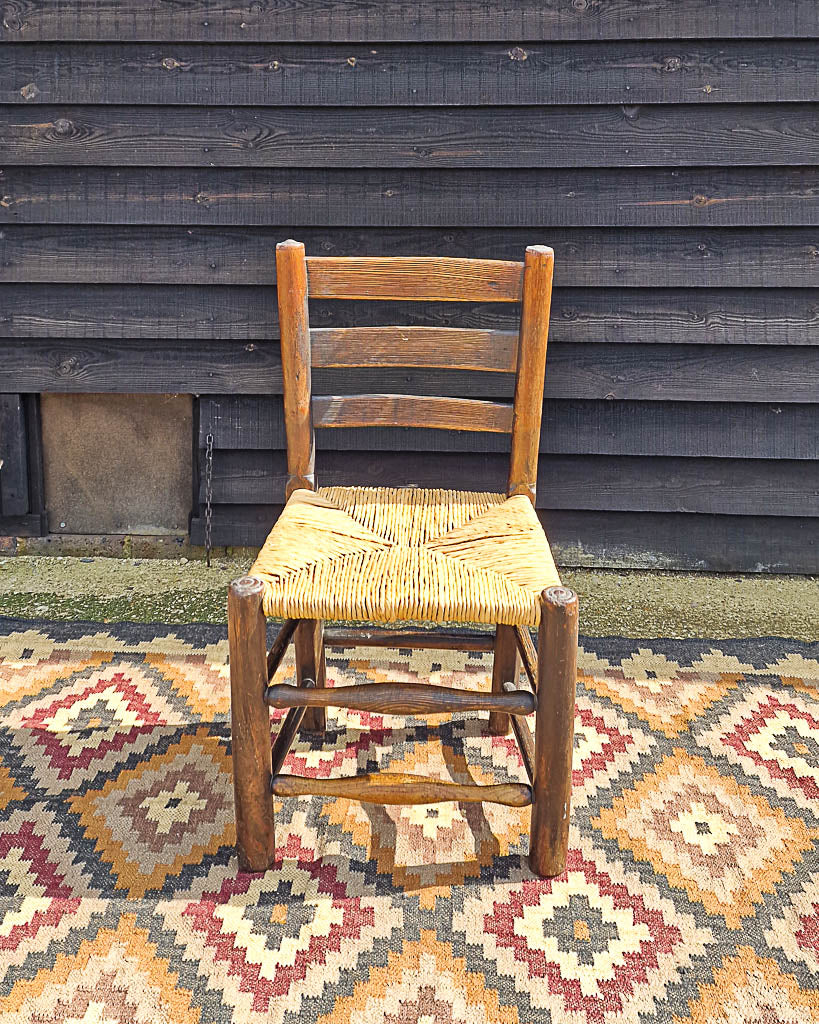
pixel 404 554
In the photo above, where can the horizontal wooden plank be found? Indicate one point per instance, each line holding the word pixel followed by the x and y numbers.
pixel 600 482
pixel 414 346
pixel 717 429
pixel 638 372
pixel 378 410
pixel 617 540
pixel 435 73
pixel 566 136
pixel 402 20
pixel 428 278
pixel 590 257
pixel 367 197
pixel 786 316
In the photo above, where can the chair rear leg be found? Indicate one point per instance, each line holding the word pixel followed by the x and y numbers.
pixel 505 668
pixel 250 725
pixel 308 641
pixel 554 732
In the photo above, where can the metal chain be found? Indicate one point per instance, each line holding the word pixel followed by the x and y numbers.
pixel 208 496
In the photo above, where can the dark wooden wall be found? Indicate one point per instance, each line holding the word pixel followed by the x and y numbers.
pixel 153 154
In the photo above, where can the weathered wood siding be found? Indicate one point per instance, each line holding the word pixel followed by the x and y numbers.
pixel 153 154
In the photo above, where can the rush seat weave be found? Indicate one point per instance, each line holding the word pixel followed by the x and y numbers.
pixel 390 554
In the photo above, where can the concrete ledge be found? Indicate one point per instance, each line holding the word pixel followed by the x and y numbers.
pixel 633 603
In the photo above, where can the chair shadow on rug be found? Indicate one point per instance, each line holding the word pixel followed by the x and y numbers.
pixel 419 847
pixel 407 554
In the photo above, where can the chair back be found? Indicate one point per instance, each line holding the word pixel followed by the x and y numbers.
pixel 422 278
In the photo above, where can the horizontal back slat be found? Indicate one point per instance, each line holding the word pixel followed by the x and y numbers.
pixel 429 278
pixel 451 347
pixel 412 411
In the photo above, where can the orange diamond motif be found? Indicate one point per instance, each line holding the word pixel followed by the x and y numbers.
pixel 659 691
pixel 751 988
pixel 117 977
pixel 707 834
pixel 172 810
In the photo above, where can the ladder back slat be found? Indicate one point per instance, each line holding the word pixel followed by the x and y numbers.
pixel 456 348
pixel 412 411
pixel 427 278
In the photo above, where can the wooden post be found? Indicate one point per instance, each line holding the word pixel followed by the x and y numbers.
pixel 534 329
pixel 294 329
pixel 250 725
pixel 554 732
pixel 308 642
pixel 504 669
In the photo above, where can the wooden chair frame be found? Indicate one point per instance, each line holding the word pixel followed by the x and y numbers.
pixel 551 669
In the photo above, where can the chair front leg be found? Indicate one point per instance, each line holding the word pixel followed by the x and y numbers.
pixel 554 732
pixel 250 725
pixel 308 642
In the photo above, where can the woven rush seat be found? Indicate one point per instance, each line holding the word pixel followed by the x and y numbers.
pixel 397 554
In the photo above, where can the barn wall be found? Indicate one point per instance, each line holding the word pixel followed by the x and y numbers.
pixel 153 155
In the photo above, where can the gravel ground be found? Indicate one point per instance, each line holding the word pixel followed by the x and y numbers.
pixel 634 603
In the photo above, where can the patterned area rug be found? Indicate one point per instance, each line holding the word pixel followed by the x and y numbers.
pixel 692 892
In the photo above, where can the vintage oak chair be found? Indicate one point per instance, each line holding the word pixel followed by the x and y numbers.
pixel 407 554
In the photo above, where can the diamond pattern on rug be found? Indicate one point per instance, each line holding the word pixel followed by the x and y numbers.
pixel 723 845
pixel 31 673
pixel 271 947
pixel 691 895
pixel 92 723
pixel 666 695
pixel 115 977
pixel 773 735
pixel 43 891
pixel 795 925
pixel 421 982
pixel 423 847
pixel 594 944
pixel 606 747
pixel 749 988
pixel 172 810
pixel 205 686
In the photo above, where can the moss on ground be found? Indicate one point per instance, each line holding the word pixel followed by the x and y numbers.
pixel 613 602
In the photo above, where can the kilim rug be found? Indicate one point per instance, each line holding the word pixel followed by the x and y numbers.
pixel 691 895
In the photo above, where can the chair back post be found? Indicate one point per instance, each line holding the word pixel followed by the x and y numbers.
pixel 294 328
pixel 531 369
